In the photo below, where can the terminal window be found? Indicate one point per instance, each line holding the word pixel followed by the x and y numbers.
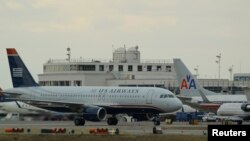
pixel 111 67
pixel 77 83
pixel 139 68
pixel 168 68
pixel 120 67
pixel 86 67
pixel 130 68
pixel 149 68
pixel 158 68
pixel 101 67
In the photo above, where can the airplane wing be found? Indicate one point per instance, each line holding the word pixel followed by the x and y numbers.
pixel 184 98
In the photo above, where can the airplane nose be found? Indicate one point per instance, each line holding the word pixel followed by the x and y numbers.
pixel 177 104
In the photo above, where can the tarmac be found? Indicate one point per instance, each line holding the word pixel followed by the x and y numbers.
pixel 132 128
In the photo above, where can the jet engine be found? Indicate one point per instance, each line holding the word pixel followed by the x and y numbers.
pixel 245 107
pixel 94 113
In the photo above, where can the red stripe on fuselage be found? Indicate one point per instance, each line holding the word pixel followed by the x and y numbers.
pixel 210 106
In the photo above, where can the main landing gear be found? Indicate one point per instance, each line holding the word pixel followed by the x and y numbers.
pixel 79 121
pixel 112 121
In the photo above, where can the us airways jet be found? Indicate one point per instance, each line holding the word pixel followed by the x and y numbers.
pixel 91 103
pixel 193 94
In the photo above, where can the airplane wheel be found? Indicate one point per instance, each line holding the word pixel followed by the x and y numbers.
pixel 115 121
pixel 112 121
pixel 239 122
pixel 109 121
pixel 82 122
pixel 77 122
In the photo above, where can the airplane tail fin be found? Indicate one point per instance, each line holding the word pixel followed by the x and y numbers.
pixel 247 92
pixel 1 94
pixel 20 75
pixel 188 84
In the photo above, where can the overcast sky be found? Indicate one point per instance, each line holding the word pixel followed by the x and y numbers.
pixel 193 30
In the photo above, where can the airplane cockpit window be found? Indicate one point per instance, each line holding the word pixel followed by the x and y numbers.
pixel 170 96
pixel 165 96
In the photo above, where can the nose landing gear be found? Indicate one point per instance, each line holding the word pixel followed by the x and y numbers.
pixel 156 120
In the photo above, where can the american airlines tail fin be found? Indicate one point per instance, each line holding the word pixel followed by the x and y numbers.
pixel 188 84
pixel 20 75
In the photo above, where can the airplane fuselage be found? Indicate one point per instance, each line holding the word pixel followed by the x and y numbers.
pixel 114 99
pixel 220 99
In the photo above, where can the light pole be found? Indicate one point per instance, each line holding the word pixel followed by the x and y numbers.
pixel 231 72
pixel 218 62
pixel 196 71
pixel 231 77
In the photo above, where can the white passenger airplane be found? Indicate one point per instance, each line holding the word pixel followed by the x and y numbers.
pixel 2 112
pixel 92 103
pixel 235 111
pixel 193 94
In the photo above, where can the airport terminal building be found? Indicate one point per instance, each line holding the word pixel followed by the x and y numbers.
pixel 125 69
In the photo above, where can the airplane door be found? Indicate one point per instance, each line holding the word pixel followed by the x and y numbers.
pixel 149 96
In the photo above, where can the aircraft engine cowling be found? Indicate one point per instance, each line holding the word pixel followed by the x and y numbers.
pixel 143 117
pixel 94 113
pixel 245 107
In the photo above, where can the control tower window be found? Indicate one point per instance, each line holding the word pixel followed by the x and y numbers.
pixel 139 68
pixel 101 67
pixel 111 67
pixel 149 68
pixel 130 68
pixel 120 68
